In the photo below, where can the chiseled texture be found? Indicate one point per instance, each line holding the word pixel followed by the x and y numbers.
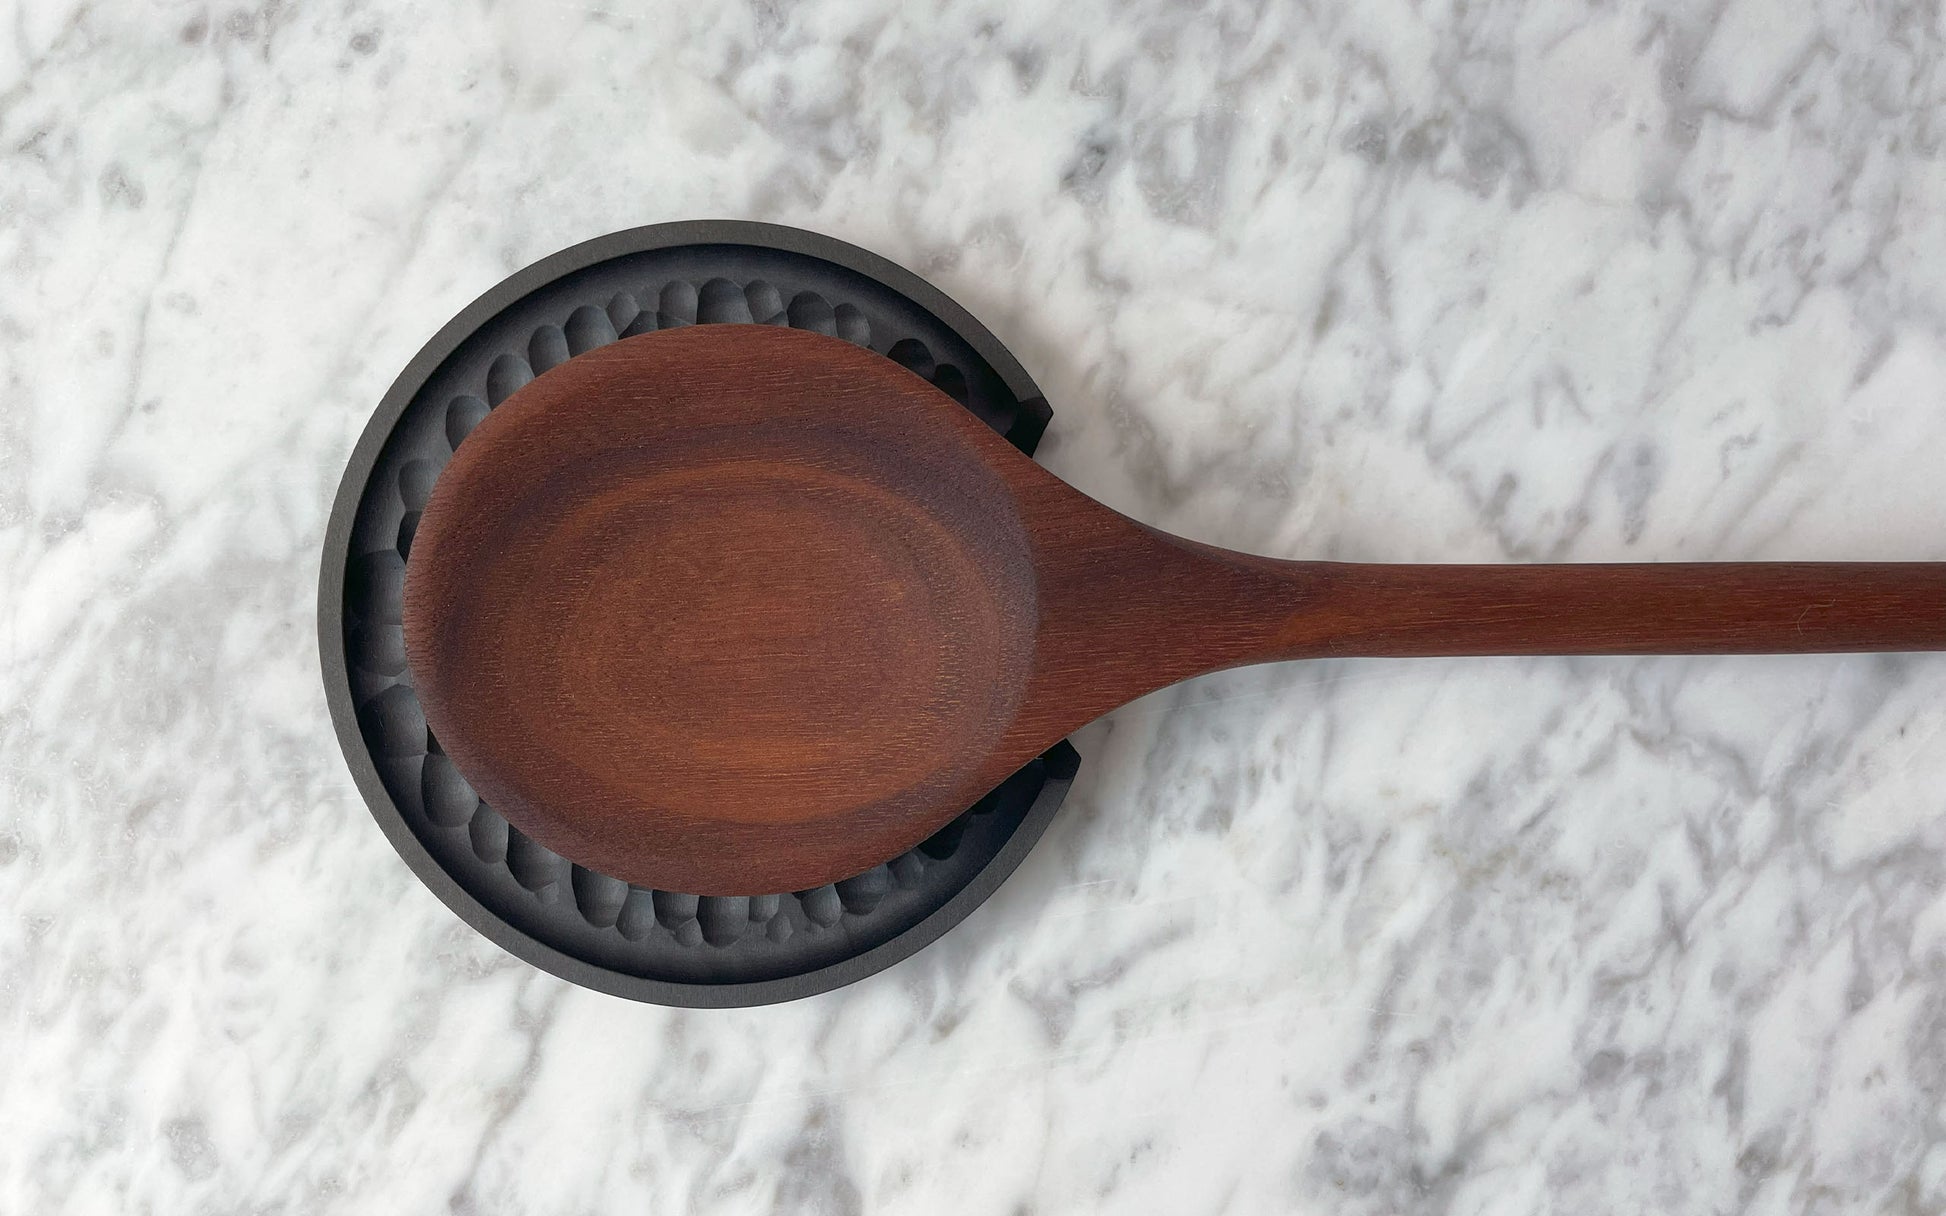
pixel 1483 281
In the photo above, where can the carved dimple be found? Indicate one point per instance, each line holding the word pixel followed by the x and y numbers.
pixel 852 325
pixel 723 918
pixel 863 892
pixel 449 801
pixel 908 870
pixel 394 721
pixel 375 583
pixel 462 415
pixel 488 833
pixel 415 483
pixel 623 312
pixel 676 305
pixel 823 905
pixel 810 311
pixel 505 377
pixel 912 355
pixel 532 864
pixel 548 348
pixel 722 302
pixel 588 327
pixel 636 920
pixel 599 897
pixel 766 303
pixel 408 527
pixel 951 381
pixel 942 844
pixel 673 908
pixel 380 646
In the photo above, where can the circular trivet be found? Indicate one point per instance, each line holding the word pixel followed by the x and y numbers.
pixel 584 926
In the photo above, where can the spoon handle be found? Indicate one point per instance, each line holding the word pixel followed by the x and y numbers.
pixel 1658 608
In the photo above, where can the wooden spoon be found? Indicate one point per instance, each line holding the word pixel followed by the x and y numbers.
pixel 736 609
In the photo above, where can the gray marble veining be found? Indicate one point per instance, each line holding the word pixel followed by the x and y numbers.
pixel 1483 281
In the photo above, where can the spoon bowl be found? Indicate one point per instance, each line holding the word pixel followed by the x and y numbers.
pixel 683 600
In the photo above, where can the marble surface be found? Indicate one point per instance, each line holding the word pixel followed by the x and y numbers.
pixel 1485 281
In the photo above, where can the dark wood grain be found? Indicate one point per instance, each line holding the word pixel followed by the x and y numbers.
pixel 737 609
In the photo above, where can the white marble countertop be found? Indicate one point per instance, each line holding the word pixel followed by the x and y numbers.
pixel 1493 281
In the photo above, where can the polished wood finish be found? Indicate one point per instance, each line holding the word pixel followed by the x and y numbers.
pixel 735 609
